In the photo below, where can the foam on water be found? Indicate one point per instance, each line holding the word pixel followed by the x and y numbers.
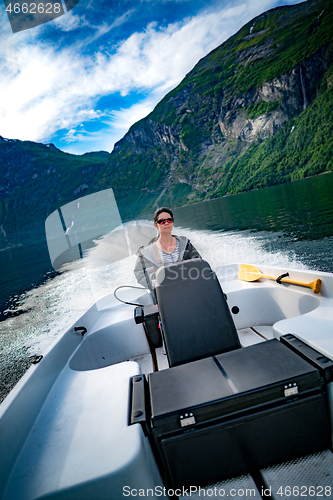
pixel 220 248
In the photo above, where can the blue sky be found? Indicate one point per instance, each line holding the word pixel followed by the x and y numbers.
pixel 81 80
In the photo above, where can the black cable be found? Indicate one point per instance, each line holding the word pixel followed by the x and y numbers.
pixel 123 301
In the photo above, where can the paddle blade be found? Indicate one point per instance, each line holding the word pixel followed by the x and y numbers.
pixel 249 273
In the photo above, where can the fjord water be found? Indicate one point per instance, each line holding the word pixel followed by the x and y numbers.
pixel 293 219
pixel 289 225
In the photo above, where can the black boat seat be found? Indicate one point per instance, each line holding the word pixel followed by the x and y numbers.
pixel 195 317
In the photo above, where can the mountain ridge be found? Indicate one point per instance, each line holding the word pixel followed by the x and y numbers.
pixel 241 93
pixel 35 180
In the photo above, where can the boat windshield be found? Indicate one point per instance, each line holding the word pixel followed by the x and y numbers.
pixel 93 223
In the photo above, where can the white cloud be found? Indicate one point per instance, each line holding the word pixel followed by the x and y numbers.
pixel 44 89
pixel 117 122
pixel 123 119
pixel 70 22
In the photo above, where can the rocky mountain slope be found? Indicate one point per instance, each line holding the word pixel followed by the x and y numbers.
pixel 256 111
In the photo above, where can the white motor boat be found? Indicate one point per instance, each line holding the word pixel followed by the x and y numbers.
pixel 71 429
pixel 64 428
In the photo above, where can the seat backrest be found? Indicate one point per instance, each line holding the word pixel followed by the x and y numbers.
pixel 196 319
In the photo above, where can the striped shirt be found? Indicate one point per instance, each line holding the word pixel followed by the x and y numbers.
pixel 170 258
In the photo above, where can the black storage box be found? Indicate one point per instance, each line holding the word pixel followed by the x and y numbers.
pixel 235 413
pixel 315 358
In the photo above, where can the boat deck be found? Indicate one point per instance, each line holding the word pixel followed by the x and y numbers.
pixel 306 477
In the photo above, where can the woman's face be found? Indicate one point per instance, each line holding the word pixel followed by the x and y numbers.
pixel 165 227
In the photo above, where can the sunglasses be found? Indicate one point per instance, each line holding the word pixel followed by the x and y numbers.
pixel 163 221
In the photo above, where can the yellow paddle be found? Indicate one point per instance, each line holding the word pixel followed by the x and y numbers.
pixel 251 273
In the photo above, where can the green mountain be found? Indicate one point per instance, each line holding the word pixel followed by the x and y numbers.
pixel 256 111
pixel 35 180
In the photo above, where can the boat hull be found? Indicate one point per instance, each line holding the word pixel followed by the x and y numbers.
pixel 75 402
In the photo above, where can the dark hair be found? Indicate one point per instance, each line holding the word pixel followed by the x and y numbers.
pixel 160 210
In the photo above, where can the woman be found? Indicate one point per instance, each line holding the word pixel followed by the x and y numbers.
pixel 163 250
